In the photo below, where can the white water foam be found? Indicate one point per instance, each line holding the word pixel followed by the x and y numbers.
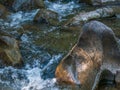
pixel 20 17
pixel 62 9
pixel 36 82
pixel 27 78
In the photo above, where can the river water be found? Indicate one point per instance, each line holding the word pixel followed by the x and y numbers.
pixel 42 47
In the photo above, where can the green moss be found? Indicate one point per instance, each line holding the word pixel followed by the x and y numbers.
pixel 58 41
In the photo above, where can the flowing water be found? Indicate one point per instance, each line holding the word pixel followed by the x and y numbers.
pixel 42 47
pixel 62 9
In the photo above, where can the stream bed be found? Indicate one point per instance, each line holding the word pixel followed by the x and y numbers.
pixel 42 47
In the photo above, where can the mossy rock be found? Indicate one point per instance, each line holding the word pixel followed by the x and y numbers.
pixel 46 16
pixel 9 50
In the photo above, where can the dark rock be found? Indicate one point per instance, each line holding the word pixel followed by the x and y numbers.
pixel 3 12
pixel 117 79
pixel 7 3
pixel 46 16
pixel 100 2
pixel 28 5
pixel 107 78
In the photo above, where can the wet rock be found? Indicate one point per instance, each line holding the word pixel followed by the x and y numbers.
pixel 107 80
pixel 100 2
pixel 117 79
pixel 98 13
pixel 9 50
pixel 82 65
pixel 7 3
pixel 3 12
pixel 46 16
pixel 28 5
pixel 49 69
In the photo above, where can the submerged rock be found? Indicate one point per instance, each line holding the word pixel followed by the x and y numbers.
pixel 82 65
pixel 9 50
pixel 100 2
pixel 96 14
pixel 7 3
pixel 46 16
pixel 28 4
pixel 3 12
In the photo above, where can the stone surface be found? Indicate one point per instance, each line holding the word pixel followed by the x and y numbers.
pixel 3 12
pixel 107 81
pixel 7 3
pixel 27 5
pixel 82 65
pixel 117 79
pixel 100 2
pixel 9 50
pixel 96 14
pixel 46 16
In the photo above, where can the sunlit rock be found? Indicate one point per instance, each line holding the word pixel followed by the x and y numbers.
pixel 28 4
pixel 9 50
pixel 97 45
pixel 100 2
pixel 46 16
pixel 96 14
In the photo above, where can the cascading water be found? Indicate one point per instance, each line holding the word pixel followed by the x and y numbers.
pixel 38 62
pixel 62 9
pixel 20 17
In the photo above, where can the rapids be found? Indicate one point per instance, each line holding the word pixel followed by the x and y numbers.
pixel 40 59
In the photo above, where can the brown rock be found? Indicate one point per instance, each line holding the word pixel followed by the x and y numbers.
pixel 7 3
pixel 82 64
pixel 9 50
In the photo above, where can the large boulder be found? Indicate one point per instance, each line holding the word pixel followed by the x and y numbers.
pixel 97 44
pixel 9 50
pixel 46 16
pixel 96 14
pixel 27 4
pixel 100 2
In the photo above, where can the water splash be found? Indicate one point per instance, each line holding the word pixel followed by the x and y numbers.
pixel 20 17
pixel 12 77
pixel 62 9
pixel 36 82
pixel 28 78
